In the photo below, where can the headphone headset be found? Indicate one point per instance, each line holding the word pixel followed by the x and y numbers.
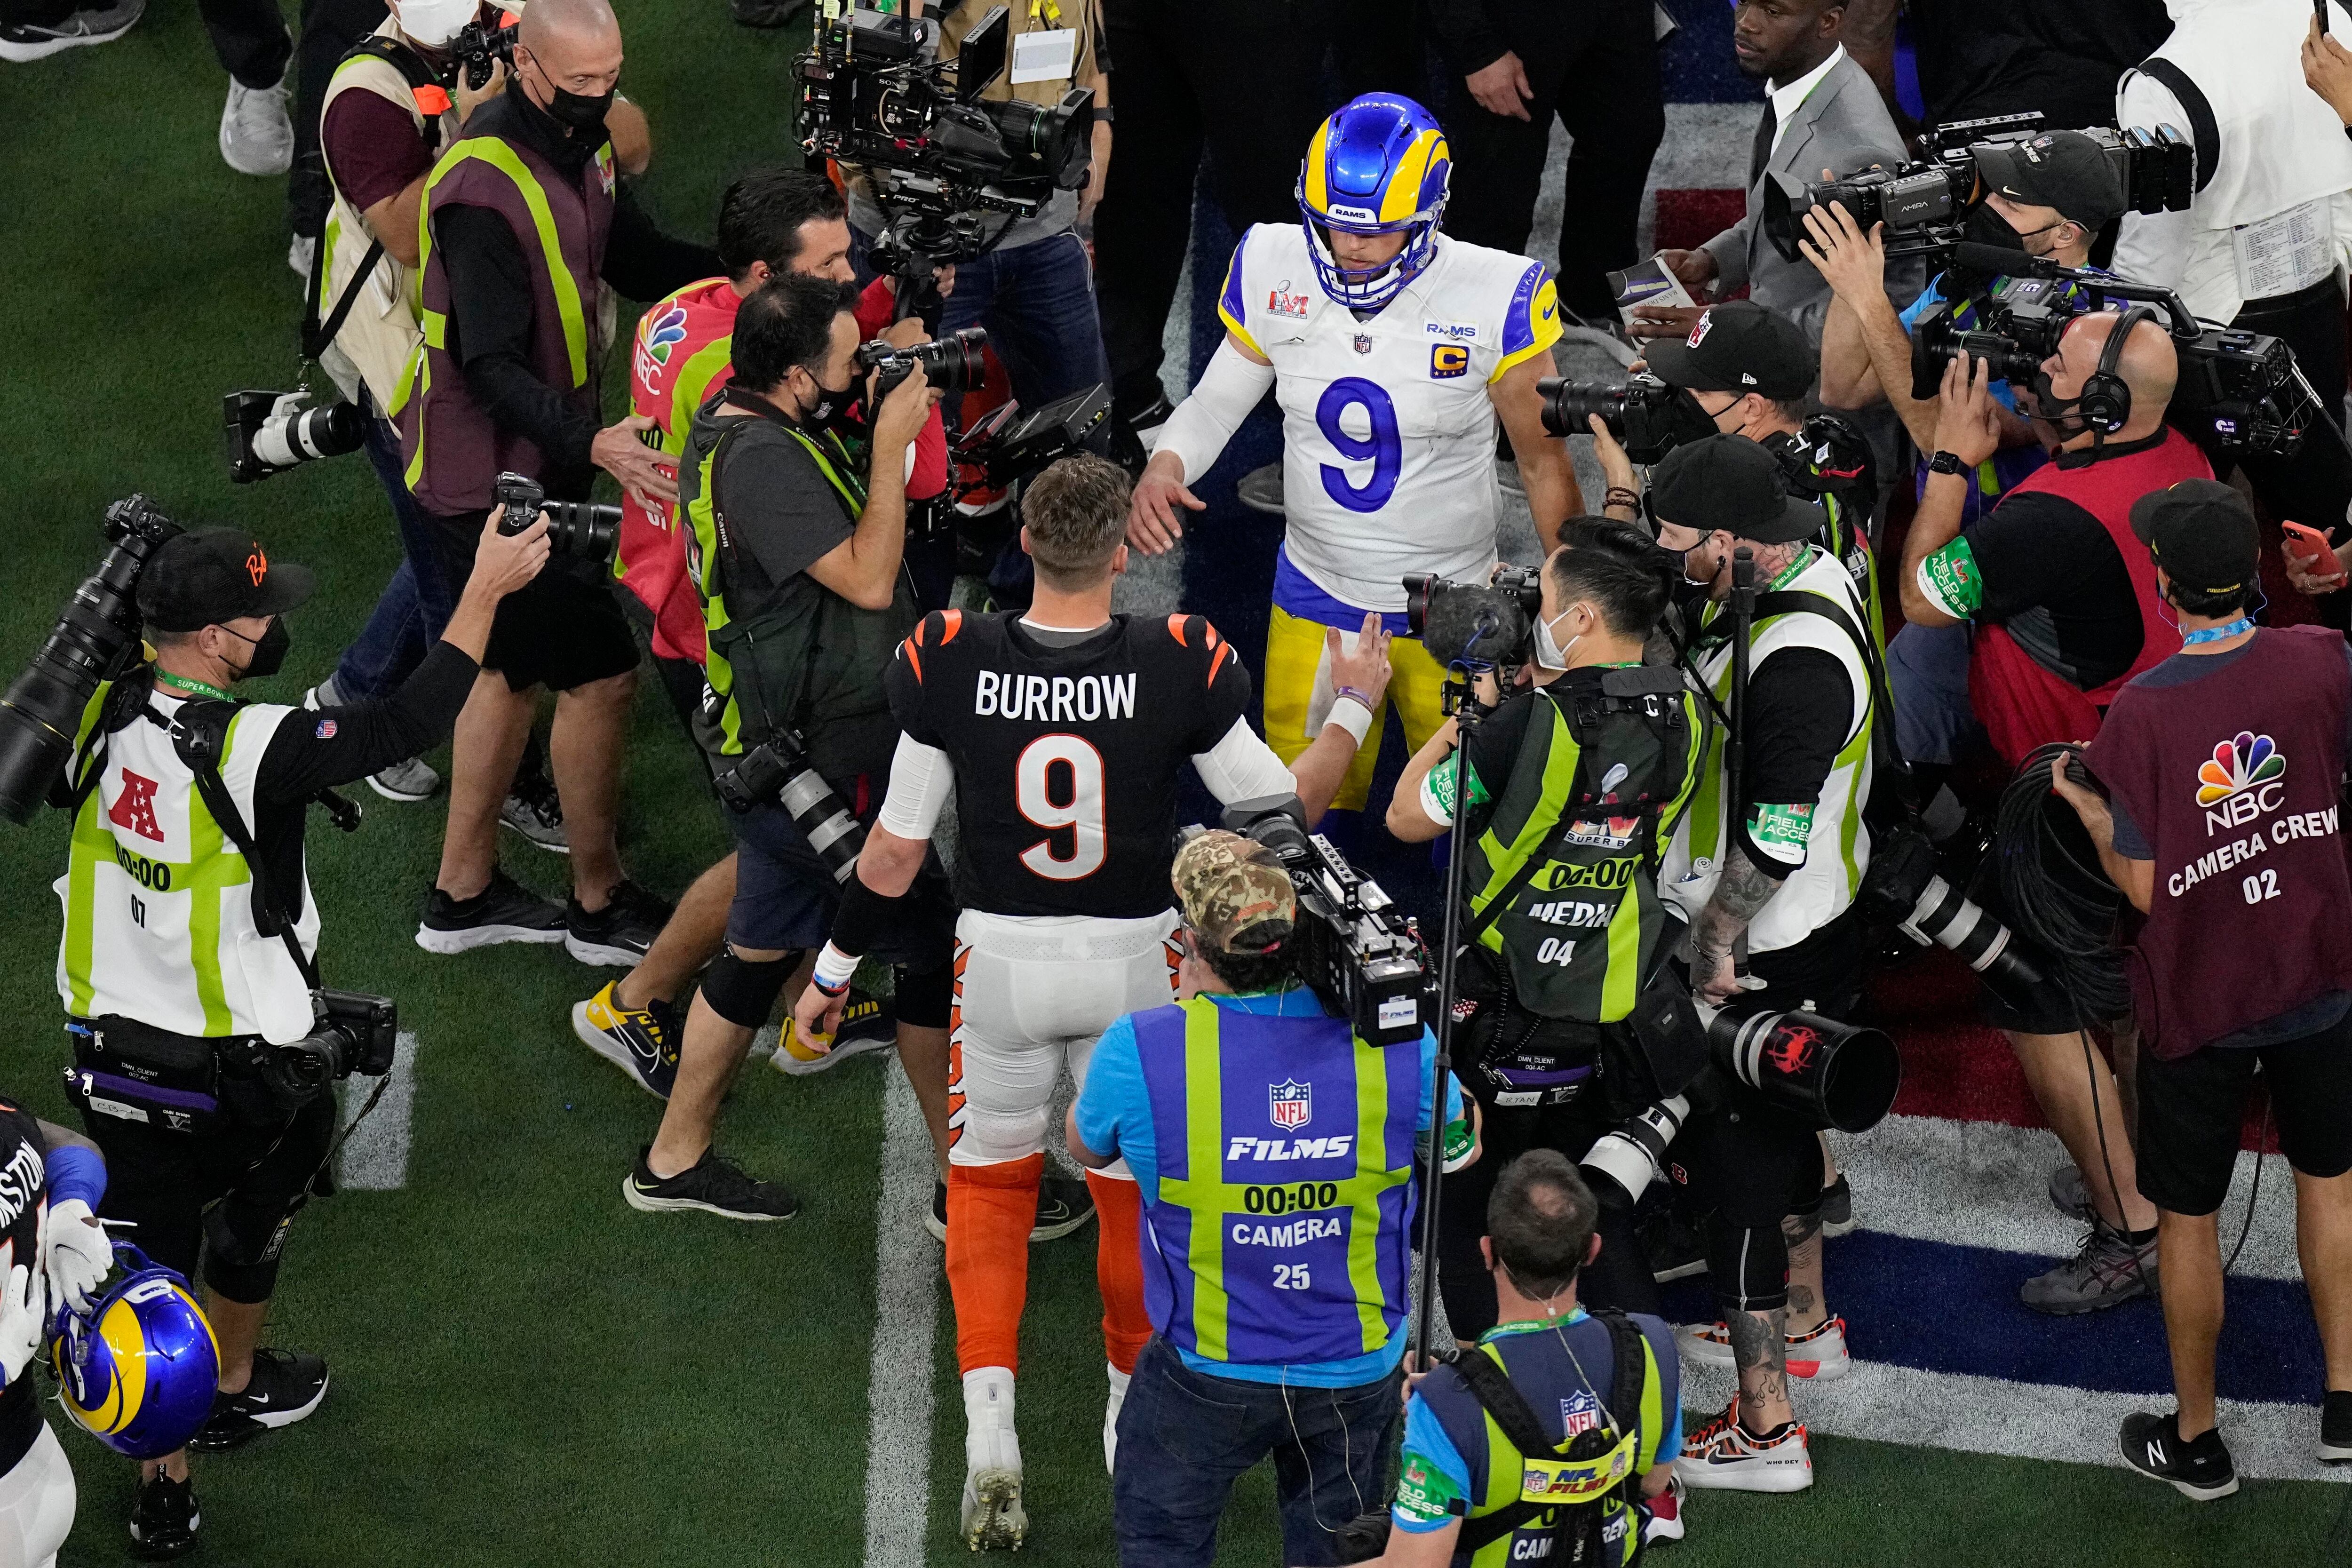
pixel 2105 401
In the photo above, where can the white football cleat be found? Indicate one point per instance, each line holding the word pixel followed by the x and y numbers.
pixel 993 1519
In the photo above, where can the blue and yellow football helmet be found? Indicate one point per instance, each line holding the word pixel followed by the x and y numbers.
pixel 138 1370
pixel 1378 165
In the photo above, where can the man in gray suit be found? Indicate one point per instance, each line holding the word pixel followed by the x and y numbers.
pixel 1822 112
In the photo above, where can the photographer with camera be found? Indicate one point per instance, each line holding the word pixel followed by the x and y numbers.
pixel 523 227
pixel 2262 245
pixel 1059 935
pixel 205 1052
pixel 1573 784
pixel 1277 1293
pixel 1766 883
pixel 798 559
pixel 2049 197
pixel 2240 972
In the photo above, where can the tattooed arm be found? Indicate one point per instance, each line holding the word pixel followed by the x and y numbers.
pixel 1742 890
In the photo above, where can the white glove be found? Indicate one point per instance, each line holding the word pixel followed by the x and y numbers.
pixel 24 1321
pixel 75 1252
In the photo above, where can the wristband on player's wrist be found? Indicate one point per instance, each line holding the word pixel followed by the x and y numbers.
pixel 75 1173
pixel 833 972
pixel 1352 711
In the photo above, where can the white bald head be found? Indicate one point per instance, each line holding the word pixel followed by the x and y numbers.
pixel 568 46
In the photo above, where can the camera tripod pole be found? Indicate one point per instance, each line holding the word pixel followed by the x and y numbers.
pixel 1462 701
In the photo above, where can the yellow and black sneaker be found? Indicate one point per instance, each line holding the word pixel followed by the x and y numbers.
pixel 641 1042
pixel 867 1024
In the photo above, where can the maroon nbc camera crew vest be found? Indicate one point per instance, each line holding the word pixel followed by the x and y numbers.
pixel 2234 779
pixel 451 449
pixel 2023 705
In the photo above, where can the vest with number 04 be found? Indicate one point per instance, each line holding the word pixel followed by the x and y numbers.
pixel 452 449
pixel 1838 848
pixel 1285 1201
pixel 1580 932
pixel 159 924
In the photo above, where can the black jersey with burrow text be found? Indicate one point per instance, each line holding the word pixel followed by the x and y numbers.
pixel 1066 757
pixel 24 1186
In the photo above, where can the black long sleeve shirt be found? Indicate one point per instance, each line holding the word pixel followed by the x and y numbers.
pixel 1467 34
pixel 490 292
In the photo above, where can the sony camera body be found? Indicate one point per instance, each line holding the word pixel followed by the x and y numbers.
pixel 480 47
pixel 1647 417
pixel 584 528
pixel 354 1033
pixel 778 769
pixel 1351 944
pixel 952 364
pixel 269 432
pixel 1925 205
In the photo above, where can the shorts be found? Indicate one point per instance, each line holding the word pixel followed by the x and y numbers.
pixel 1297 670
pixel 1034 994
pixel 563 629
pixel 786 897
pixel 2191 1107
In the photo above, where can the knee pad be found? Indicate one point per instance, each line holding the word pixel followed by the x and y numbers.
pixel 925 995
pixel 242 1248
pixel 1748 1265
pixel 742 993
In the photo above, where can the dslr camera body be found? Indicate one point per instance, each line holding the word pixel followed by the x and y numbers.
pixel 480 47
pixel 953 364
pixel 584 528
pixel 1351 944
pixel 271 432
pixel 1647 417
pixel 354 1033
pixel 1522 585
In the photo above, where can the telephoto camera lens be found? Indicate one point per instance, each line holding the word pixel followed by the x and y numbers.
pixel 1833 1075
pixel 1903 890
pixel 582 528
pixel 269 432
pixel 778 769
pixel 1624 1161
pixel 951 364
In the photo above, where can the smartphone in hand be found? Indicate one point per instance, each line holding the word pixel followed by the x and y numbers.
pixel 2310 547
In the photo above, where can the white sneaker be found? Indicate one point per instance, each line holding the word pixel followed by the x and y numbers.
pixel 1723 1456
pixel 1118 1381
pixel 1662 1516
pixel 992 1518
pixel 100 23
pixel 257 134
pixel 1819 1353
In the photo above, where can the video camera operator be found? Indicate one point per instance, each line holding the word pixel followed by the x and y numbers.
pixel 2048 197
pixel 1564 916
pixel 1292 1329
pixel 2239 972
pixel 523 225
pixel 195 1029
pixel 1765 884
pixel 2264 243
pixel 800 564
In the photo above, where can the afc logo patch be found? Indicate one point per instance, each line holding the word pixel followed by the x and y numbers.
pixel 1290 1104
pixel 1283 303
pixel 1447 361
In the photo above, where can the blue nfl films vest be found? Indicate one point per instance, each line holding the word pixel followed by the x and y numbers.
pixel 1281 1229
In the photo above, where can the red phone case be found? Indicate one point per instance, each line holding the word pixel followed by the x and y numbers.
pixel 2311 546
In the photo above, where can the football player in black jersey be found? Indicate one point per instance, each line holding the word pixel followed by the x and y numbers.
pixel 1061 732
pixel 52 1254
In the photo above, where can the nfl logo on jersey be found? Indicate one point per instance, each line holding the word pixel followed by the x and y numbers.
pixel 1289 1104
pixel 1363 342
pixel 1579 1412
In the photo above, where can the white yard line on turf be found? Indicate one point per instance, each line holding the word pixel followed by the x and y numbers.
pixel 1985 1184
pixel 1889 1404
pixel 374 1159
pixel 905 1302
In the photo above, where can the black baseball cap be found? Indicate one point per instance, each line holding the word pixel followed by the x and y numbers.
pixel 2203 534
pixel 2062 169
pixel 1738 347
pixel 1731 483
pixel 215 575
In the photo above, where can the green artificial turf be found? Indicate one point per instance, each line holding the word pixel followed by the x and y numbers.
pixel 526 1371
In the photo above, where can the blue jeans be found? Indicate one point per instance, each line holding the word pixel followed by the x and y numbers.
pixel 1928 677
pixel 1038 304
pixel 1185 1438
pixel 415 604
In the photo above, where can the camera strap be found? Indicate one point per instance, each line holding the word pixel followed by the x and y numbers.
pixel 199 736
pixel 317 336
pixel 1885 750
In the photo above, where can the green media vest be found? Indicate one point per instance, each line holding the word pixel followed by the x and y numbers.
pixel 1580 933
pixel 803 656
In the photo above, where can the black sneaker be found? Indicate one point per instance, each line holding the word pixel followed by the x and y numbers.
pixel 936 1222
pixel 2201 1470
pixel 504 911
pixel 2335 1429
pixel 163 1519
pixel 641 1041
pixel 619 934
pixel 711 1185
pixel 1064 1203
pixel 285 1386
pixel 1837 1207
pixel 100 23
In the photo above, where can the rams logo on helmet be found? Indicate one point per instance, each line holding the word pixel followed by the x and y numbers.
pixel 138 1370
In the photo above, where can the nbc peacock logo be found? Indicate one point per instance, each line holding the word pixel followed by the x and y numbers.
pixel 2237 766
pixel 669 329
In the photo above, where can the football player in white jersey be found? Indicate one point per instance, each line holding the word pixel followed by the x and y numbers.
pixel 1392 349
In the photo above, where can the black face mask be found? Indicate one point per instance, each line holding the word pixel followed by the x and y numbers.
pixel 581 114
pixel 268 651
pixel 1987 226
pixel 830 409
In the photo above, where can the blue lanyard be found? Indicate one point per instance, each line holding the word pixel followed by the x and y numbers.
pixel 2215 634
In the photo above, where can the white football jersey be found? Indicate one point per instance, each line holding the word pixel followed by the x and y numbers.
pixel 1387 432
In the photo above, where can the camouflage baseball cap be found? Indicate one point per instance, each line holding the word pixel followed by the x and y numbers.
pixel 1227 885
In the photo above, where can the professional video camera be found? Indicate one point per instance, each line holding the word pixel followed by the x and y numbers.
pixel 479 47
pixel 778 769
pixel 1925 205
pixel 1647 417
pixel 1512 644
pixel 584 528
pixel 951 364
pixel 269 432
pixel 354 1033
pixel 1009 443
pixel 96 639
pixel 1351 945
pixel 876 94
pixel 2242 390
